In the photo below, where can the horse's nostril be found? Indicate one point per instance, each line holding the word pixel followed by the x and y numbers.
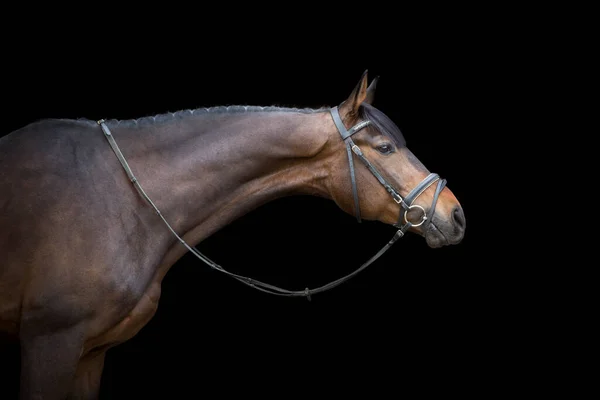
pixel 458 216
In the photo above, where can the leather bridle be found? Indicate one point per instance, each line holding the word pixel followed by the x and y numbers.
pixel 405 203
pixel 352 148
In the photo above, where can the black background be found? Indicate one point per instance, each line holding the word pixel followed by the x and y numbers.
pixel 415 311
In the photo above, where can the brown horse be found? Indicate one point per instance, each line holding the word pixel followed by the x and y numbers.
pixel 69 297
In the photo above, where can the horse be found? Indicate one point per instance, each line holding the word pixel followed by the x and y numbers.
pixel 153 188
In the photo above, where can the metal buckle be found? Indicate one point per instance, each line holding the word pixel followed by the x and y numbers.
pixel 423 218
pixel 397 198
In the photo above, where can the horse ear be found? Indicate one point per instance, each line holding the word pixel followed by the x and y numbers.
pixel 358 95
pixel 371 91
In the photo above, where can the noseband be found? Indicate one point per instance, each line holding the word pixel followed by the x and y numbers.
pixel 405 204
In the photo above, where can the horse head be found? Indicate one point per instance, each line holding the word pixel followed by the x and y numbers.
pixel 386 182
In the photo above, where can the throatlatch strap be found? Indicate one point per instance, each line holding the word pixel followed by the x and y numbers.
pixel 346 135
pixel 353 179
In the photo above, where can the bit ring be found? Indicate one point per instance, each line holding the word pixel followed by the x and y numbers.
pixel 423 218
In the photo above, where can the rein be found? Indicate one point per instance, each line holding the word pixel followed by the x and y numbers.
pixel 351 148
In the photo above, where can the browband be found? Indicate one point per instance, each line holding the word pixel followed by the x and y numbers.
pixel 346 133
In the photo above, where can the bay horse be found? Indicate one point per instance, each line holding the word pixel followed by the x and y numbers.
pixel 153 188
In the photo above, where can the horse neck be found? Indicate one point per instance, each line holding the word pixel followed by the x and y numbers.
pixel 204 171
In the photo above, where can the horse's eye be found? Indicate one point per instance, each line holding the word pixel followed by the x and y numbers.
pixel 385 148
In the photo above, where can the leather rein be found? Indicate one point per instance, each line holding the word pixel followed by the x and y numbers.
pixel 352 148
